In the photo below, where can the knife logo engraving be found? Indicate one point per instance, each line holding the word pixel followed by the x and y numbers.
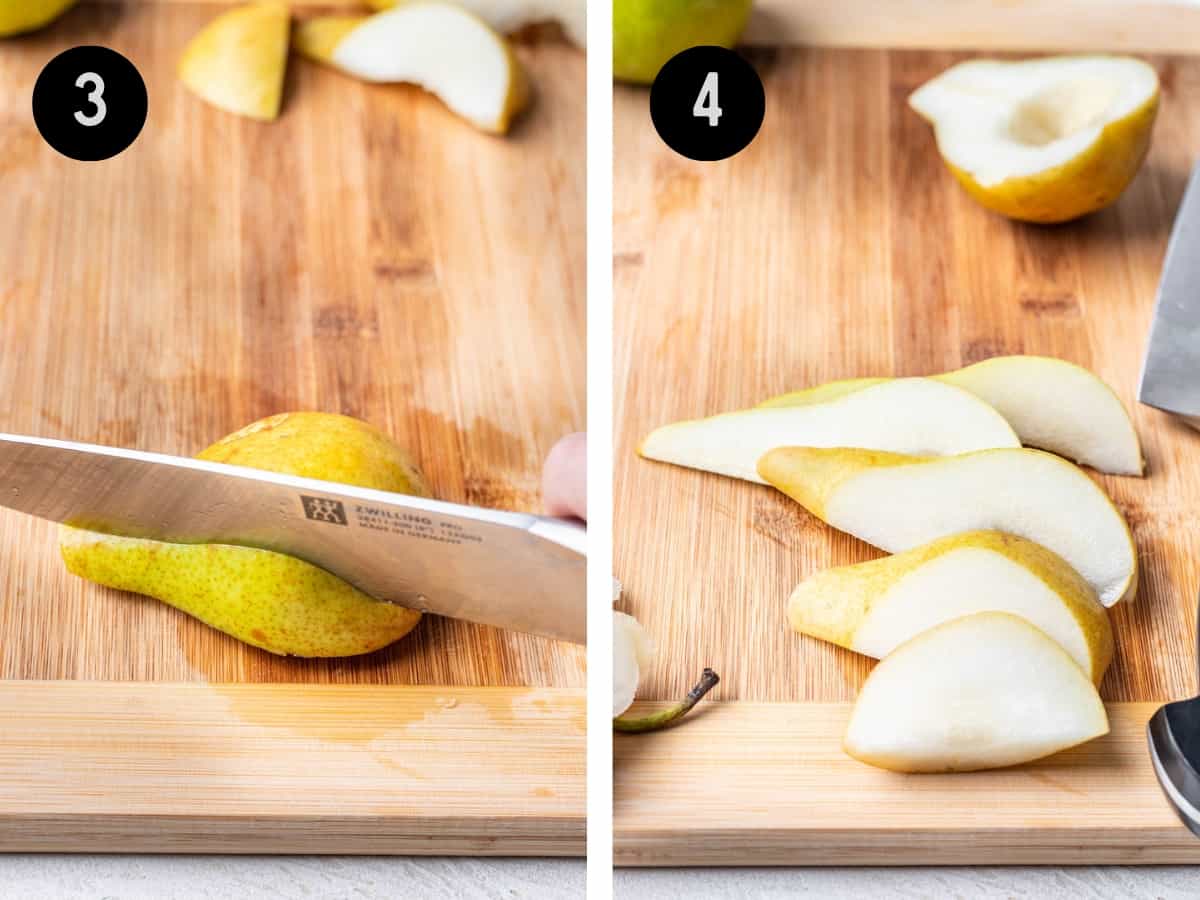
pixel 321 510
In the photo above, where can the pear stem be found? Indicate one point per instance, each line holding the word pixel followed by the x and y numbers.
pixel 665 717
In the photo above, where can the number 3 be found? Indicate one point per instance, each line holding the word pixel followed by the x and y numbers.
pixel 706 106
pixel 96 98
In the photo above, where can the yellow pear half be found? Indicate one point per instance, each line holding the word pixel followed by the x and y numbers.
pixel 508 16
pixel 20 16
pixel 238 61
pixel 897 502
pixel 1043 140
pixel 875 606
pixel 904 415
pixel 270 600
pixel 442 47
pixel 979 692
pixel 1050 403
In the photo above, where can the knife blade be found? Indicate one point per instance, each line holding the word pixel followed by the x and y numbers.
pixel 513 570
pixel 1171 370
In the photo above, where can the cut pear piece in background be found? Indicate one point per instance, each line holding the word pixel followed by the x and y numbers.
pixel 875 606
pixel 1050 403
pixel 507 16
pixel 904 415
pixel 441 47
pixel 237 63
pixel 898 502
pixel 980 692
pixel 21 16
pixel 1043 140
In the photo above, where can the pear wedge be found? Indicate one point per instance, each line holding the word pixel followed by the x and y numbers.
pixel 442 47
pixel 237 63
pixel 875 606
pixel 1043 140
pixel 904 415
pixel 21 16
pixel 1050 403
pixel 266 599
pixel 979 692
pixel 508 16
pixel 898 502
pixel 632 655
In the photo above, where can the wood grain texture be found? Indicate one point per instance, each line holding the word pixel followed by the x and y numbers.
pixel 768 784
pixel 191 768
pixel 837 245
pixel 368 254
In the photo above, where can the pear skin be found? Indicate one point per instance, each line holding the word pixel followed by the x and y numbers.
pixel 21 16
pixel 281 604
pixel 238 61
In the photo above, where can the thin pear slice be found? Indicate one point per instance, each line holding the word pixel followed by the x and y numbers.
pixel 875 606
pixel 237 63
pixel 905 415
pixel 1043 140
pixel 898 502
pixel 1050 403
pixel 980 692
pixel 507 16
pixel 440 46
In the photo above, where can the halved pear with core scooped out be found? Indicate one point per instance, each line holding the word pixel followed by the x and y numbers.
pixel 904 415
pixel 237 63
pixel 1043 140
pixel 873 607
pixel 898 502
pixel 440 46
pixel 979 692
pixel 1050 403
pixel 508 16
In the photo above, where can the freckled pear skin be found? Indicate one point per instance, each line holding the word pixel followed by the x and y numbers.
pixel 272 601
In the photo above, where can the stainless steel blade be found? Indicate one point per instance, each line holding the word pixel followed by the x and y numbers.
pixel 512 570
pixel 1171 370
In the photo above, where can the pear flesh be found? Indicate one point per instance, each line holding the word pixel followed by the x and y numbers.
pixel 897 502
pixel 874 607
pixel 443 48
pixel 508 16
pixel 904 415
pixel 237 63
pixel 21 16
pixel 266 599
pixel 979 692
pixel 1051 404
pixel 632 655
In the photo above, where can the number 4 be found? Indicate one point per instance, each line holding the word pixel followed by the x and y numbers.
pixel 706 106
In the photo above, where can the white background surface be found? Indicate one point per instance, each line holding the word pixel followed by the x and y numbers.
pixel 33 877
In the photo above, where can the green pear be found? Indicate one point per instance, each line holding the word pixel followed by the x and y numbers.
pixel 647 33
pixel 20 16
pixel 1050 403
pixel 270 600
pixel 979 692
pixel 873 607
pixel 897 502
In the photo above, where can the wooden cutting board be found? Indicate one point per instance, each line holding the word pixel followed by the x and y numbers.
pixel 837 245
pixel 368 254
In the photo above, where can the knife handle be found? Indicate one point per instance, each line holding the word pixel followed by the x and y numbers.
pixel 569 533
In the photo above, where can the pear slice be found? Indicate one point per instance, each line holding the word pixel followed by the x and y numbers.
pixel 875 606
pixel 1050 403
pixel 237 63
pixel 439 46
pixel 898 502
pixel 21 16
pixel 632 655
pixel 508 16
pixel 980 692
pixel 904 415
pixel 1043 140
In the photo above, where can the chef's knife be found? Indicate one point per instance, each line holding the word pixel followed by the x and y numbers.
pixel 1171 371
pixel 512 570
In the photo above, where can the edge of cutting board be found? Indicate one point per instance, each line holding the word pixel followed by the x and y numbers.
pixel 200 768
pixel 742 783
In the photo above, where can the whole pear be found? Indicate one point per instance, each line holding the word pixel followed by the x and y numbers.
pixel 266 599
pixel 20 16
pixel 647 33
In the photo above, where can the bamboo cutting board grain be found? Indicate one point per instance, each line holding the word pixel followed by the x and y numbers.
pixel 368 254
pixel 837 245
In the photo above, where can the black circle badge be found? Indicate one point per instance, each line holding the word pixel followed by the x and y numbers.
pixel 707 103
pixel 90 103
